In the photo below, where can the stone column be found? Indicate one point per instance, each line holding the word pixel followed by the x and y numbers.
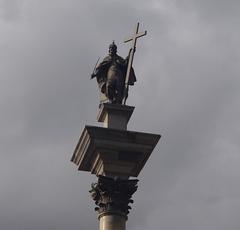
pixel 109 222
pixel 113 154
pixel 112 197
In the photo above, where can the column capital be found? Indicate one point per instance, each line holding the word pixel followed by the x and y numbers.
pixel 113 195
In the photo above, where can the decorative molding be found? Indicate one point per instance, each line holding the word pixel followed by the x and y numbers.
pixel 113 195
pixel 127 151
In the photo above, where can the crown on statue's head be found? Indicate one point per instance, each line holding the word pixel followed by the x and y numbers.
pixel 113 45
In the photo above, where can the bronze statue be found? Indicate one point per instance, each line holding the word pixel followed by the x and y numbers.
pixel 114 74
pixel 110 74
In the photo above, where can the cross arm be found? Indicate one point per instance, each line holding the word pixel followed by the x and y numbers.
pixel 136 36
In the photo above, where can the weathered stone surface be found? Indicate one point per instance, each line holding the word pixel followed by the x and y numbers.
pixel 112 152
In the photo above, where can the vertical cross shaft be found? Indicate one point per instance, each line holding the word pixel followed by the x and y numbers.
pixel 133 38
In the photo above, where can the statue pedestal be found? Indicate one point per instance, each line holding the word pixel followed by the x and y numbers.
pixel 114 154
pixel 115 116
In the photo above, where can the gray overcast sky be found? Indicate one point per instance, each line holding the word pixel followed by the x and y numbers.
pixel 187 90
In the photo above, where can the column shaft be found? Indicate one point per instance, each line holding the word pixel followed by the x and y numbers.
pixel 112 222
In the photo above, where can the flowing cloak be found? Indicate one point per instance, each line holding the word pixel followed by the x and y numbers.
pixel 101 71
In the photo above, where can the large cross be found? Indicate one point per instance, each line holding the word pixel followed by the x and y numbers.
pixel 133 38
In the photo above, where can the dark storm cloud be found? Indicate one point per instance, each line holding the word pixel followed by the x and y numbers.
pixel 187 90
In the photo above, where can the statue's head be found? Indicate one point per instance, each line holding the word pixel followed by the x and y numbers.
pixel 112 49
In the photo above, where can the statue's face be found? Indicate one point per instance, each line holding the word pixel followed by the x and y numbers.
pixel 112 50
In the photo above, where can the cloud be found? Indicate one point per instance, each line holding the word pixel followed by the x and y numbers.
pixel 187 90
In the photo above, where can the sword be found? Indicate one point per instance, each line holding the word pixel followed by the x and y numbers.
pixel 92 75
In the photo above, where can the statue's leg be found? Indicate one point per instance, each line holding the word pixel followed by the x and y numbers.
pixel 110 87
pixel 119 89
